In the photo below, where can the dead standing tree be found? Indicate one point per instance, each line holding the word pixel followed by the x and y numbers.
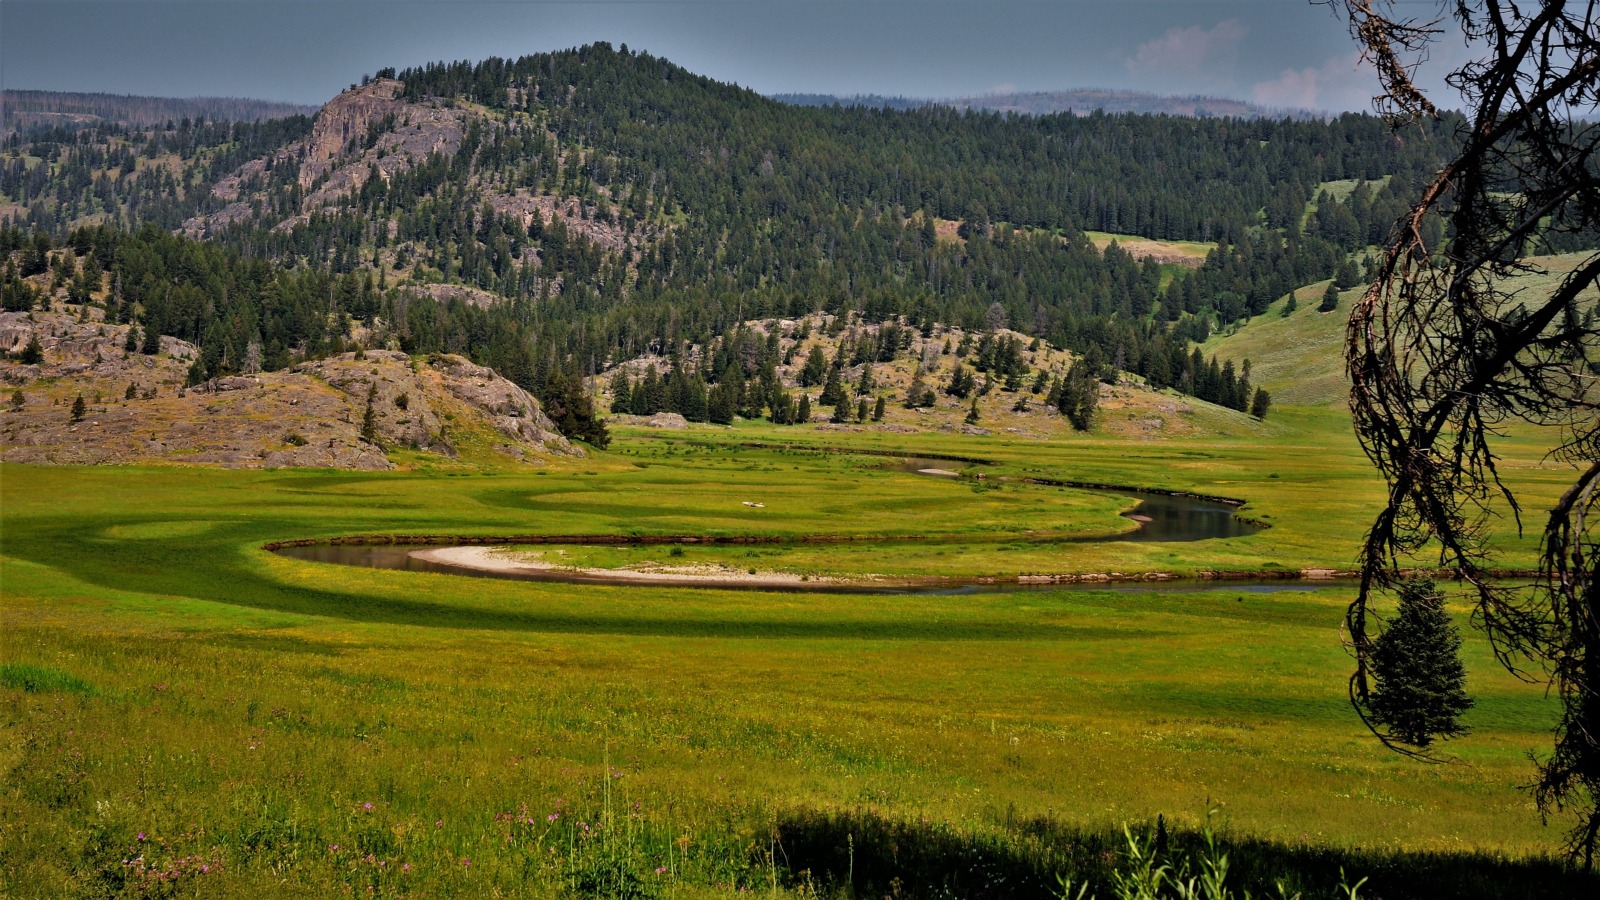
pixel 1444 350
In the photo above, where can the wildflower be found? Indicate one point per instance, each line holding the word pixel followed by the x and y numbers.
pixel 552 817
pixel 406 867
pixel 439 823
pixel 466 862
pixel 204 868
pixel 661 870
pixel 141 835
pixel 367 806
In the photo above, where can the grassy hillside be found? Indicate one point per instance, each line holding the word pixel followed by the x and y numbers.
pixel 1300 357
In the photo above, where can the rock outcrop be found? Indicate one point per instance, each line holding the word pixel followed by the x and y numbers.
pixel 137 408
pixel 365 130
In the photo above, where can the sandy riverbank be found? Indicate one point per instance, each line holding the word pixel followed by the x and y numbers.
pixel 511 561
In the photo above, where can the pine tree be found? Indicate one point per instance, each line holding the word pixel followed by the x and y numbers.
pixel 815 369
pixel 18 401
pixel 1419 689
pixel 972 413
pixel 833 390
pixel 369 420
pixel 621 391
pixel 1330 299
pixel 33 353
pixel 843 411
pixel 78 409
pixel 803 416
pixel 1260 403
pixel 879 409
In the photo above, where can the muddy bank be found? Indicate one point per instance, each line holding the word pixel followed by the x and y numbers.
pixel 504 560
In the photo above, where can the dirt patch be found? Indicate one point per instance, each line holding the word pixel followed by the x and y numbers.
pixel 504 560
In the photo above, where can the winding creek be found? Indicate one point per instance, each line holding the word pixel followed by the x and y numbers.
pixel 1161 517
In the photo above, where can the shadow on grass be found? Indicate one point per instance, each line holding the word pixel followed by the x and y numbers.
pixel 216 568
pixel 862 854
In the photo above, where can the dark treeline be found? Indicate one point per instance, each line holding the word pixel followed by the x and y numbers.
pixel 26 110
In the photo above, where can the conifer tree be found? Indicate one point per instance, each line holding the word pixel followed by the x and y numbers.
pixel 1419 688
pixel 33 353
pixel 833 389
pixel 879 409
pixel 369 419
pixel 78 409
pixel 1330 299
pixel 816 368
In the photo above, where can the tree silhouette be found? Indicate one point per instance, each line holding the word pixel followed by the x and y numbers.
pixel 1443 350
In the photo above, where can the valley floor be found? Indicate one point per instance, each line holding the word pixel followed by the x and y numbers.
pixel 183 711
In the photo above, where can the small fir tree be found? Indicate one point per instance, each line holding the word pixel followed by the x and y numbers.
pixel 1330 299
pixel 369 419
pixel 1419 690
pixel 78 409
pixel 1260 403
pixel 972 412
pixel 33 353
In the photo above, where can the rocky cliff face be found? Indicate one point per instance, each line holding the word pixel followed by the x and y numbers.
pixel 365 129
pixel 138 410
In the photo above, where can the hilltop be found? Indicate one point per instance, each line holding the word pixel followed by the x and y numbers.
pixel 1080 101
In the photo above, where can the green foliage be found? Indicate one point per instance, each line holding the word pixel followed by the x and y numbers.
pixel 1330 299
pixel 33 353
pixel 78 409
pixel 41 679
pixel 1078 395
pixel 1419 690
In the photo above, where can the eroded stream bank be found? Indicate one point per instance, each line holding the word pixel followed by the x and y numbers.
pixel 1158 517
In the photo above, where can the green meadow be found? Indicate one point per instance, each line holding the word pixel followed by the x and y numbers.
pixel 185 714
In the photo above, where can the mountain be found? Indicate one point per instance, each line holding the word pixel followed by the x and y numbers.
pixel 553 216
pixel 1081 102
pixel 27 110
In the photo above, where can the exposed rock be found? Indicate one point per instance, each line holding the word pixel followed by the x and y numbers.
pixel 523 204
pixel 311 415
pixel 444 293
pixel 512 410
pixel 668 420
pixel 365 130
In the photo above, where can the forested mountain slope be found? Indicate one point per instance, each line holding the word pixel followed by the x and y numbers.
pixel 566 212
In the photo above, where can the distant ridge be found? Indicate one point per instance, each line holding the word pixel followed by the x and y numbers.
pixel 1081 101
pixel 23 110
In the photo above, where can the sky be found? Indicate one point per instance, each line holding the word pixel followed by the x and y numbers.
pixel 1278 53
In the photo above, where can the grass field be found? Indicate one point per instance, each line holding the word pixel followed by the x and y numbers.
pixel 182 713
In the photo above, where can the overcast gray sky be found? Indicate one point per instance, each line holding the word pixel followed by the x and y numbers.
pixel 1284 53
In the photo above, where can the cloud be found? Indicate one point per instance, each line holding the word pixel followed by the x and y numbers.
pixel 1341 83
pixel 1199 58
